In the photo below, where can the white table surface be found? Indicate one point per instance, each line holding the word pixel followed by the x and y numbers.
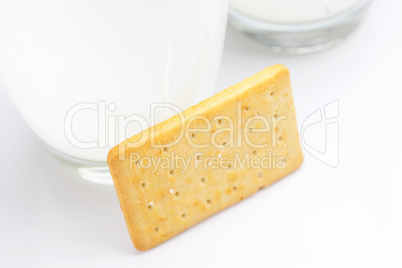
pixel 320 216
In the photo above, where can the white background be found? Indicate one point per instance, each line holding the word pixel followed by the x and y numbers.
pixel 349 216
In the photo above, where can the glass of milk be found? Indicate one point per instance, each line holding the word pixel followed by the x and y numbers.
pixel 86 75
pixel 297 26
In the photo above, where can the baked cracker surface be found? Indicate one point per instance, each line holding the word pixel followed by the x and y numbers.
pixel 207 158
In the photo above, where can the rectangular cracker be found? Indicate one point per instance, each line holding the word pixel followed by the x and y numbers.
pixel 160 201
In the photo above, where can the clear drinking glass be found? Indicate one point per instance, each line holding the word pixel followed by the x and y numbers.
pixel 297 26
pixel 83 74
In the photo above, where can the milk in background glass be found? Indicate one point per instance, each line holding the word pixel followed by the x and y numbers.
pixel 297 26
pixel 115 57
pixel 292 11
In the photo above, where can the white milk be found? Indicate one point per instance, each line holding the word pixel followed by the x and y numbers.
pixel 57 54
pixel 291 11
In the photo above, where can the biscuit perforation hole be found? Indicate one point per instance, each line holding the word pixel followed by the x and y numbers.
pixel 171 172
pixel 165 149
pixel 234 188
pixel 272 93
pixel 156 229
pixel 203 180
pixel 208 201
pixel 177 194
pixel 143 185
pixel 183 215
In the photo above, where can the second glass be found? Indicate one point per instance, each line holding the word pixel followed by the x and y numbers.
pixel 297 26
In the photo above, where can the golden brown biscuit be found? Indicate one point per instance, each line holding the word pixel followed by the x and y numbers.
pixel 209 157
